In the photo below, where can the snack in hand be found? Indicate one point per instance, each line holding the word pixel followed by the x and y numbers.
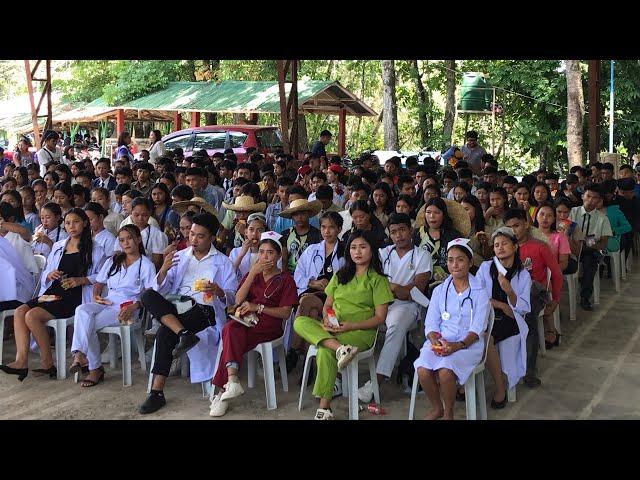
pixel 49 298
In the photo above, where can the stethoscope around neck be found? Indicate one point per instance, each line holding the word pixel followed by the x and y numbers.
pixel 446 315
pixel 388 259
pixel 322 259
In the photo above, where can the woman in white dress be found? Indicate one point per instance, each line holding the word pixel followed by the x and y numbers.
pixel 454 327
pixel 126 275
pixel 509 289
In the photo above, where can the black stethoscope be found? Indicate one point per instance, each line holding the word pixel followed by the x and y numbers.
pixel 446 315
pixel 146 246
pixel 322 259
pixel 388 259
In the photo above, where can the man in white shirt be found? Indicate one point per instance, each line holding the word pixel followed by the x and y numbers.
pixel 180 274
pixel 597 230
pixel 49 152
pixel 407 267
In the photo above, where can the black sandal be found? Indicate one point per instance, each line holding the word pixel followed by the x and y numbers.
pixel 555 343
pixel 79 368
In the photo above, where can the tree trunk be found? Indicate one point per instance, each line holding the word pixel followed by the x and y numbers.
pixel 211 72
pixel 421 96
pixel 390 108
pixel 575 112
pixel 450 105
pixel 303 141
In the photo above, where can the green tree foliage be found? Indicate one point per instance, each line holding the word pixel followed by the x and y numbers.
pixel 626 136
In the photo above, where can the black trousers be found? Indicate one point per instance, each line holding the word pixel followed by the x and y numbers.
pixel 531 320
pixel 10 305
pixel 590 259
pixel 194 320
pixel 626 243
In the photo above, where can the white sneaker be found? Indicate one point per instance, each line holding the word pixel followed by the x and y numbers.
pixel 232 390
pixel 323 414
pixel 365 392
pixel 337 387
pixel 218 407
pixel 345 354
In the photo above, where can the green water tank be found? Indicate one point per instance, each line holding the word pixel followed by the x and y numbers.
pixel 475 92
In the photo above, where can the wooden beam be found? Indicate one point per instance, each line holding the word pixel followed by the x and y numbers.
pixel 195 119
pixel 119 121
pixel 284 113
pixel 177 121
pixel 34 113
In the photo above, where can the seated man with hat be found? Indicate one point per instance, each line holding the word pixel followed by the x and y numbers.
pixel 298 237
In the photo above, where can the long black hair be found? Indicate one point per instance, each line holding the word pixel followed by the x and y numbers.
pixel 409 201
pixel 85 245
pixel 478 221
pixel 19 213
pixel 348 271
pixel 119 257
pixel 447 223
pixel 389 204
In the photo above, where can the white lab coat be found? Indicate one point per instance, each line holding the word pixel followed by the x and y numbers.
pixel 154 241
pixel 125 285
pixel 54 235
pixel 17 282
pixel 202 356
pixel 512 350
pixel 107 241
pixel 310 265
pixel 471 316
pixel 57 251
pixel 23 249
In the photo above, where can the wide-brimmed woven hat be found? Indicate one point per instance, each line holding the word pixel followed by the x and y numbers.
pixel 181 207
pixel 302 205
pixel 245 203
pixel 459 217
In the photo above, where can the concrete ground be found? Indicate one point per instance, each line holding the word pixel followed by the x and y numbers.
pixel 592 375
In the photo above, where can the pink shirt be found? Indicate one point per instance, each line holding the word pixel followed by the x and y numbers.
pixel 559 244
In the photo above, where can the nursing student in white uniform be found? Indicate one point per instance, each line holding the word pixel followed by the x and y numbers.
pixel 185 329
pixel 314 269
pixel 454 326
pixel 406 266
pixel 20 246
pixel 245 256
pixel 101 235
pixel 509 289
pixel 18 282
pixel 125 277
pixel 50 230
pixel 154 241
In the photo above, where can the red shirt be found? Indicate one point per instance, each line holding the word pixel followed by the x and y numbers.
pixel 541 257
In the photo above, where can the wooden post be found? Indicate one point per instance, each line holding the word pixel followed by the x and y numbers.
pixel 119 121
pixel 595 110
pixel 34 112
pixel 342 134
pixel 177 121
pixel 195 119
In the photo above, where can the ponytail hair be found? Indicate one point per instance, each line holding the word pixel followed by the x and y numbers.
pixel 119 257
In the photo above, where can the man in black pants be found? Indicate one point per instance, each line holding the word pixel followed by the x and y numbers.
pixel 202 273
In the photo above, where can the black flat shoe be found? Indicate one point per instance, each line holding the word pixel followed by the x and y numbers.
pixel 20 372
pixel 52 372
pixel 586 305
pixel 153 403
pixel 499 405
pixel 460 396
pixel 186 343
pixel 532 382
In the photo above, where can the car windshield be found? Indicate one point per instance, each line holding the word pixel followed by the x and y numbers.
pixel 269 138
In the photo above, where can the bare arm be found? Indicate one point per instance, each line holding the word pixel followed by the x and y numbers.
pixel 19 229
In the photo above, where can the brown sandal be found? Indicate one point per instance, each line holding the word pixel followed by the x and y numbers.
pixel 86 383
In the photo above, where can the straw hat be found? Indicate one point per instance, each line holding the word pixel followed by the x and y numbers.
pixel 302 205
pixel 181 207
pixel 244 203
pixel 459 217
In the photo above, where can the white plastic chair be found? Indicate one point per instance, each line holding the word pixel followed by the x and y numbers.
pixel 475 383
pixel 59 326
pixel 41 261
pixel 265 350
pixel 616 268
pixel 124 332
pixel 349 378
